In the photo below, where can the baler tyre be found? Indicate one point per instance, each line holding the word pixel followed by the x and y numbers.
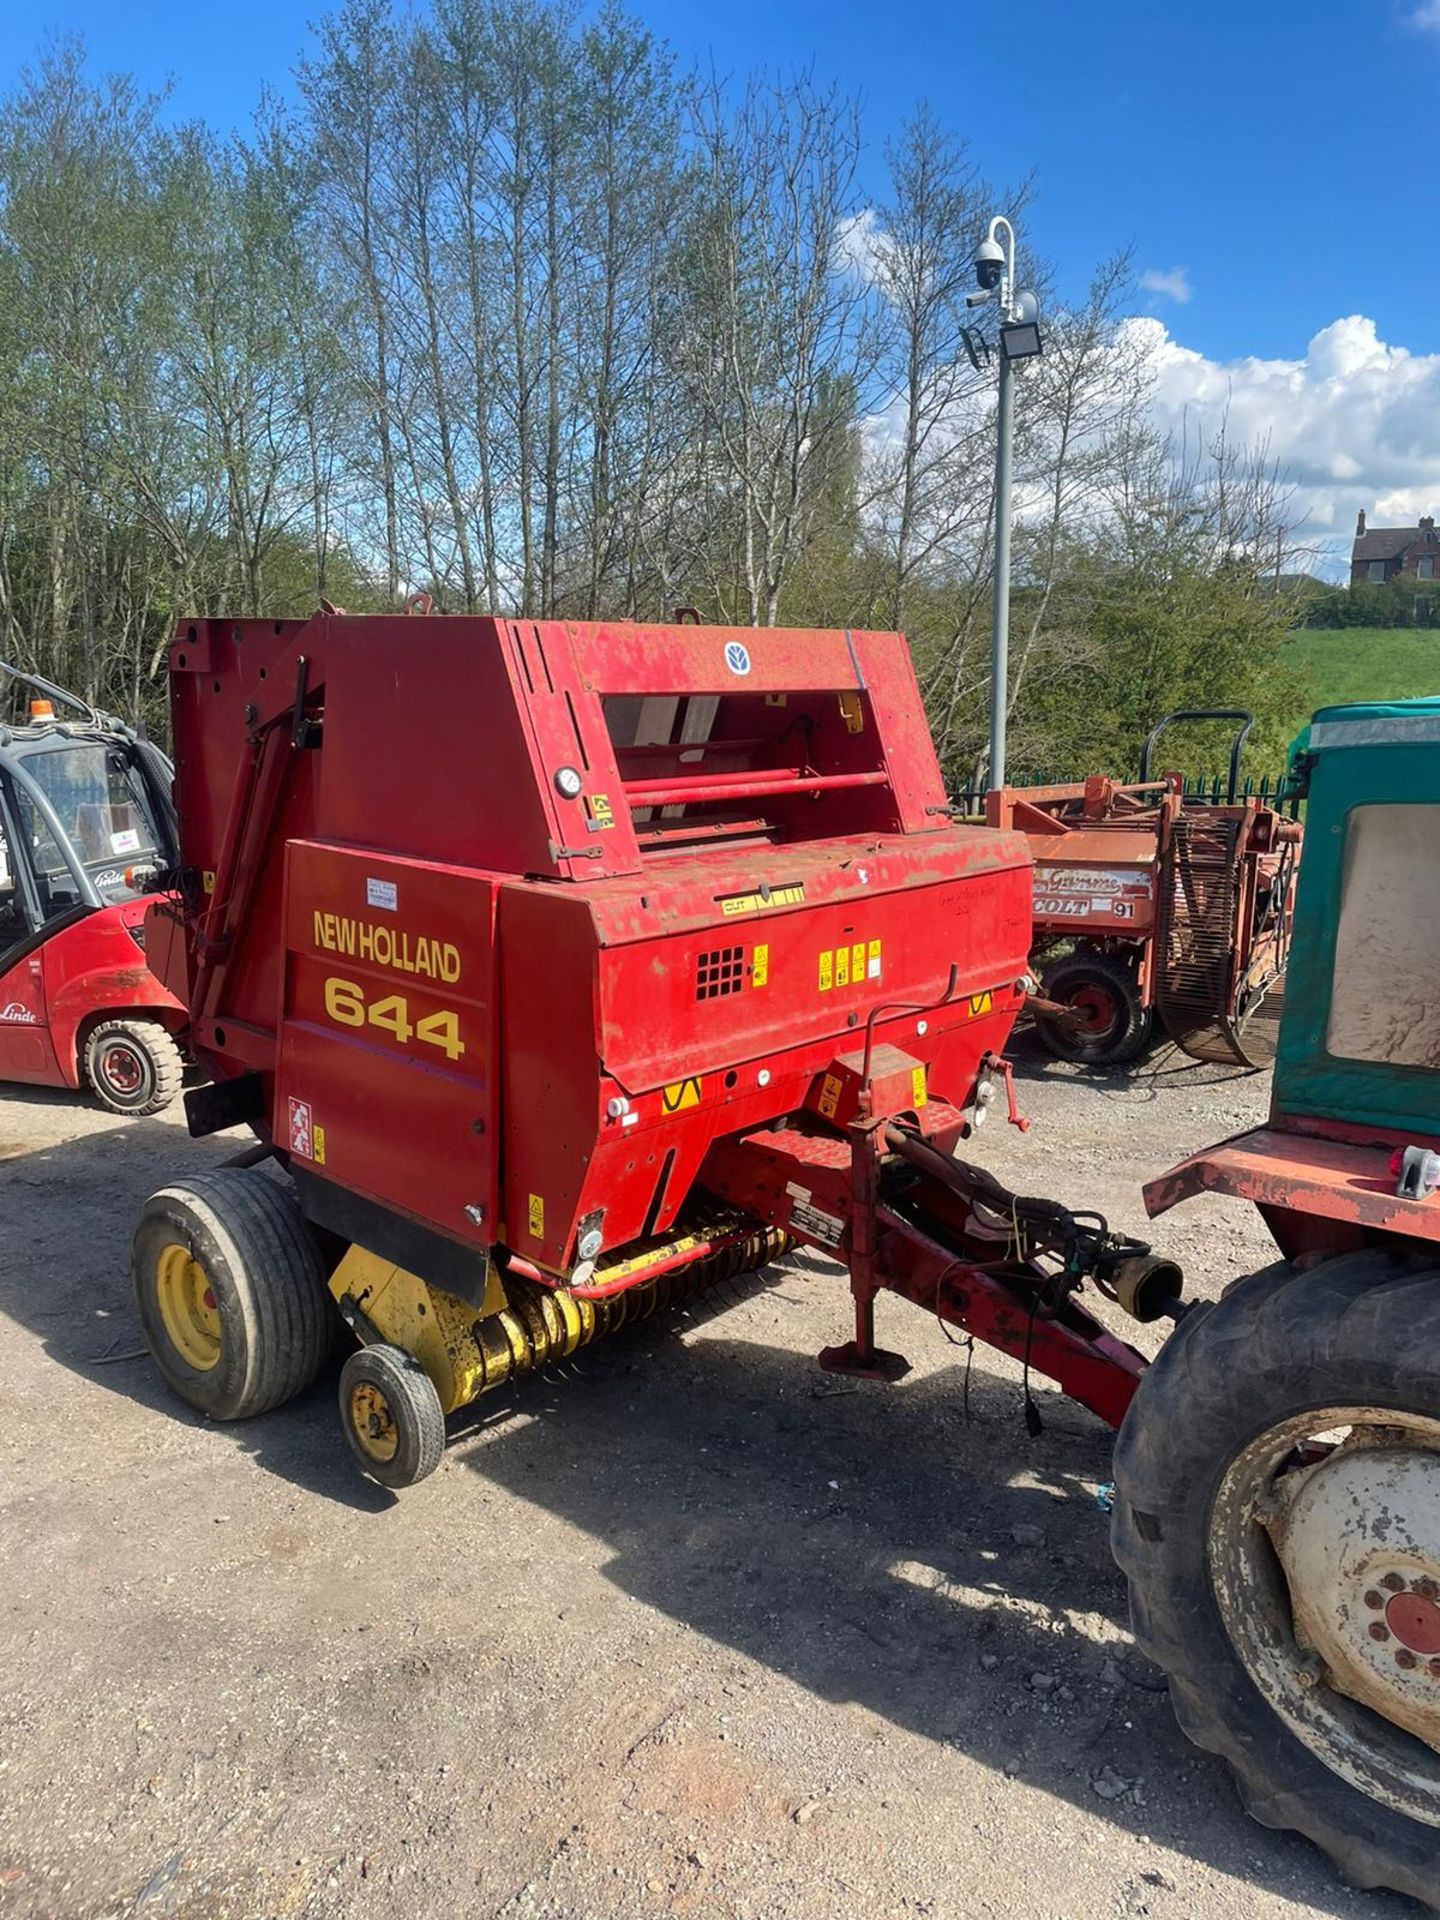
pixel 133 1065
pixel 230 1289
pixel 391 1415
pixel 1106 987
pixel 1231 1511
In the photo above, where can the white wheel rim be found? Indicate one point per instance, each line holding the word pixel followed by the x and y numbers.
pixel 1327 1575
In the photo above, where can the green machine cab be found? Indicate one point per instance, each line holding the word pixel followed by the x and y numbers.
pixel 1277 1509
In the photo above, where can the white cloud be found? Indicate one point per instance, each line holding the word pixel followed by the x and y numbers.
pixel 1175 285
pixel 1354 423
pixel 862 244
pixel 1425 18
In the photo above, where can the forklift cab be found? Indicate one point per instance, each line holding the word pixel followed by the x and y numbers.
pixel 86 829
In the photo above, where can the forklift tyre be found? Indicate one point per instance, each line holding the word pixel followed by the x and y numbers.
pixel 133 1065
pixel 231 1292
pixel 1235 1407
pixel 1117 1024
pixel 391 1415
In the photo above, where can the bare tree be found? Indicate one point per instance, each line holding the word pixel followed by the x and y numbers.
pixel 779 324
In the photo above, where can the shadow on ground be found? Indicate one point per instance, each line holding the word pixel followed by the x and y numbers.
pixel 90 1191
pixel 859 1540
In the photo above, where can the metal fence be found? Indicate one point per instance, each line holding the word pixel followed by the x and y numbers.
pixel 1276 790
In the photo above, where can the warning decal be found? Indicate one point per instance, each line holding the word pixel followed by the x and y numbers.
pixel 849 965
pixel 536 1216
pixel 790 895
pixel 684 1093
pixel 302 1129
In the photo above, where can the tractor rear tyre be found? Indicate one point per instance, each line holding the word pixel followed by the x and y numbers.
pixel 133 1065
pixel 1116 1023
pixel 231 1292
pixel 391 1415
pixel 1277 1516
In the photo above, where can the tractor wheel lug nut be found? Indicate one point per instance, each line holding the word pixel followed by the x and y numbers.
pixel 1379 1631
pixel 1374 1600
pixel 1393 1583
pixel 1405 1658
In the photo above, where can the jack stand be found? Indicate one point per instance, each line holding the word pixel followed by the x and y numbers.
pixel 875 1364
pixel 860 1357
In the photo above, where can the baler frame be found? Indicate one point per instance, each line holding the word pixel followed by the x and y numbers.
pixel 777 984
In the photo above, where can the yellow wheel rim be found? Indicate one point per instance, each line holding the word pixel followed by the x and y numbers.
pixel 188 1307
pixel 373 1422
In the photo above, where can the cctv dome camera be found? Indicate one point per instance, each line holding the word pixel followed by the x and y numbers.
pixel 989 264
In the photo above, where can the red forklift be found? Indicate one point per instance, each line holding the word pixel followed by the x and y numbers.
pixel 87 832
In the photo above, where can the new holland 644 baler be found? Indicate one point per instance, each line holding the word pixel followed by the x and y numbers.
pixel 568 968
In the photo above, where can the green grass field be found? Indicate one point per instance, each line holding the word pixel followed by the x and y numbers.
pixel 1362 663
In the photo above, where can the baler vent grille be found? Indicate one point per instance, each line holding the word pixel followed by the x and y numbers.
pixel 720 971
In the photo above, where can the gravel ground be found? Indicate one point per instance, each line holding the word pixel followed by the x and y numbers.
pixel 695 1630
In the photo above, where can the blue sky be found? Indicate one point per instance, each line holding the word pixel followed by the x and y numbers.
pixel 1270 164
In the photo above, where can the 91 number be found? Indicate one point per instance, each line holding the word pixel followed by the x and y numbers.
pixel 346 1005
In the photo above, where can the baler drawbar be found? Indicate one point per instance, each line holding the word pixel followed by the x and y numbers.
pixel 566 968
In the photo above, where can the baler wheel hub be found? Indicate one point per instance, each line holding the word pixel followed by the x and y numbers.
pixel 373 1422
pixel 188 1307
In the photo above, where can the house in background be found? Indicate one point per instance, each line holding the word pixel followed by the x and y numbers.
pixel 1383 553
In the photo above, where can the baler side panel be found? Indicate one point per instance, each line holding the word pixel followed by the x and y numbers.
pixel 551 1074
pixel 450 696
pixel 804 668
pixel 765 982
pixel 388 1042
pixel 564 726
pixel 894 692
pixel 219 669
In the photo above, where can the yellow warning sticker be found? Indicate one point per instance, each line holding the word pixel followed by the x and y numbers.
pixel 601 813
pixel 791 896
pixel 207 880
pixel 317 1145
pixel 829 1095
pixel 536 1220
pixel 981 1003
pixel 850 965
pixel 760 966
pixel 684 1093
pixel 852 712
pixel 918 1095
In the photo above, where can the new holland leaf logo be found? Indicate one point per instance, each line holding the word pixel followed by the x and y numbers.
pixel 737 656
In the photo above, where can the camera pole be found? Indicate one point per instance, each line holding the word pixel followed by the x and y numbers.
pixel 1004 454
pixel 1000 624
